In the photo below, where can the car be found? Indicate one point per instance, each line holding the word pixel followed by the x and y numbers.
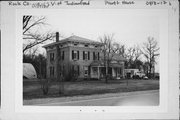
pixel 139 75
pixel 145 77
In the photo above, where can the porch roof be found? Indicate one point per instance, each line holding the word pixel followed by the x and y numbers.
pixel 97 63
pixel 101 64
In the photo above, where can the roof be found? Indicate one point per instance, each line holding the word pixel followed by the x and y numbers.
pixel 97 63
pixel 74 38
pixel 100 63
pixel 115 57
pixel 118 57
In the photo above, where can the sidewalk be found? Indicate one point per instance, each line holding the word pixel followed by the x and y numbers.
pixel 86 97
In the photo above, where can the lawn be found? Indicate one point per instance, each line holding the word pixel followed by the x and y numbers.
pixel 32 89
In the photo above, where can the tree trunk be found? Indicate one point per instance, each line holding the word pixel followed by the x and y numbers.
pixel 106 72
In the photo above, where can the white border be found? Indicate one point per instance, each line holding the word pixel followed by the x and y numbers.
pixel 11 86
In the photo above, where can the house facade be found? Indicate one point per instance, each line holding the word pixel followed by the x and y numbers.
pixel 79 58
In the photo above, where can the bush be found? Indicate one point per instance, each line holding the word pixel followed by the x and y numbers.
pixel 44 83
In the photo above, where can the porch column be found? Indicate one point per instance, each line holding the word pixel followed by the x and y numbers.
pixel 122 69
pixel 91 72
pixel 98 72
pixel 113 72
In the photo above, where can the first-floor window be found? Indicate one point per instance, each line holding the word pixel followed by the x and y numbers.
pixel 51 71
pixel 86 70
pixel 75 69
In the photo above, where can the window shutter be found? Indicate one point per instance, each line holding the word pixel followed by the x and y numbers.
pixel 72 54
pixel 78 69
pixel 59 56
pixel 53 56
pixel 98 55
pixel 83 55
pixel 78 54
pixel 88 55
pixel 53 70
pixel 63 55
pixel 89 70
pixel 93 55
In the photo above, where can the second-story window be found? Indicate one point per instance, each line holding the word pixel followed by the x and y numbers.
pixel 75 55
pixel 86 45
pixel 86 55
pixel 95 55
pixel 51 57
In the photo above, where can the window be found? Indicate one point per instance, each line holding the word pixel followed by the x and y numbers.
pixel 86 55
pixel 75 69
pixel 86 45
pixel 75 55
pixel 85 71
pixel 51 71
pixel 51 57
pixel 95 55
pixel 75 44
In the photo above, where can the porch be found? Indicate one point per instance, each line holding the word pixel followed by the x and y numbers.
pixel 115 71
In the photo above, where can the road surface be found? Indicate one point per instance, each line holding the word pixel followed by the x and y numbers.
pixel 139 99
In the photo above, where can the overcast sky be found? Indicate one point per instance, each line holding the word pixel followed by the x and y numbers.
pixel 130 27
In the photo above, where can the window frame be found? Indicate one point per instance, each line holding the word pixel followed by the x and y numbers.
pixel 51 57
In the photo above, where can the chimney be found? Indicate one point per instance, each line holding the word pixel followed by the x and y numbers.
pixel 57 36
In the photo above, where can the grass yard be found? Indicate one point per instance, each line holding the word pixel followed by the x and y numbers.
pixel 32 89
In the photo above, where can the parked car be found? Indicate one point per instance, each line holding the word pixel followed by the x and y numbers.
pixel 139 75
pixel 145 77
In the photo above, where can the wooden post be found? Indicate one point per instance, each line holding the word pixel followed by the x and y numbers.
pixel 98 71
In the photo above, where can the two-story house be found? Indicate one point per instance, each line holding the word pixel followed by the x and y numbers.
pixel 79 57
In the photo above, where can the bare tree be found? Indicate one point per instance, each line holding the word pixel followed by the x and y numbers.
pixel 137 52
pixel 32 31
pixel 108 49
pixel 120 49
pixel 150 51
pixel 35 33
pixel 132 55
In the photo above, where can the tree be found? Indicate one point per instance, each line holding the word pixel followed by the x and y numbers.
pixel 120 49
pixel 150 52
pixel 132 56
pixel 108 49
pixel 33 32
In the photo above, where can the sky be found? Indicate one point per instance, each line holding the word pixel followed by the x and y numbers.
pixel 130 27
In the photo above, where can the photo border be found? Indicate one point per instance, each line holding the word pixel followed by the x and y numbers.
pixel 167 64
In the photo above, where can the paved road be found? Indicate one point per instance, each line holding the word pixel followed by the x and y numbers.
pixel 144 99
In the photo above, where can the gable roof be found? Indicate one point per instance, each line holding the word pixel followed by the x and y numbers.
pixel 74 38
